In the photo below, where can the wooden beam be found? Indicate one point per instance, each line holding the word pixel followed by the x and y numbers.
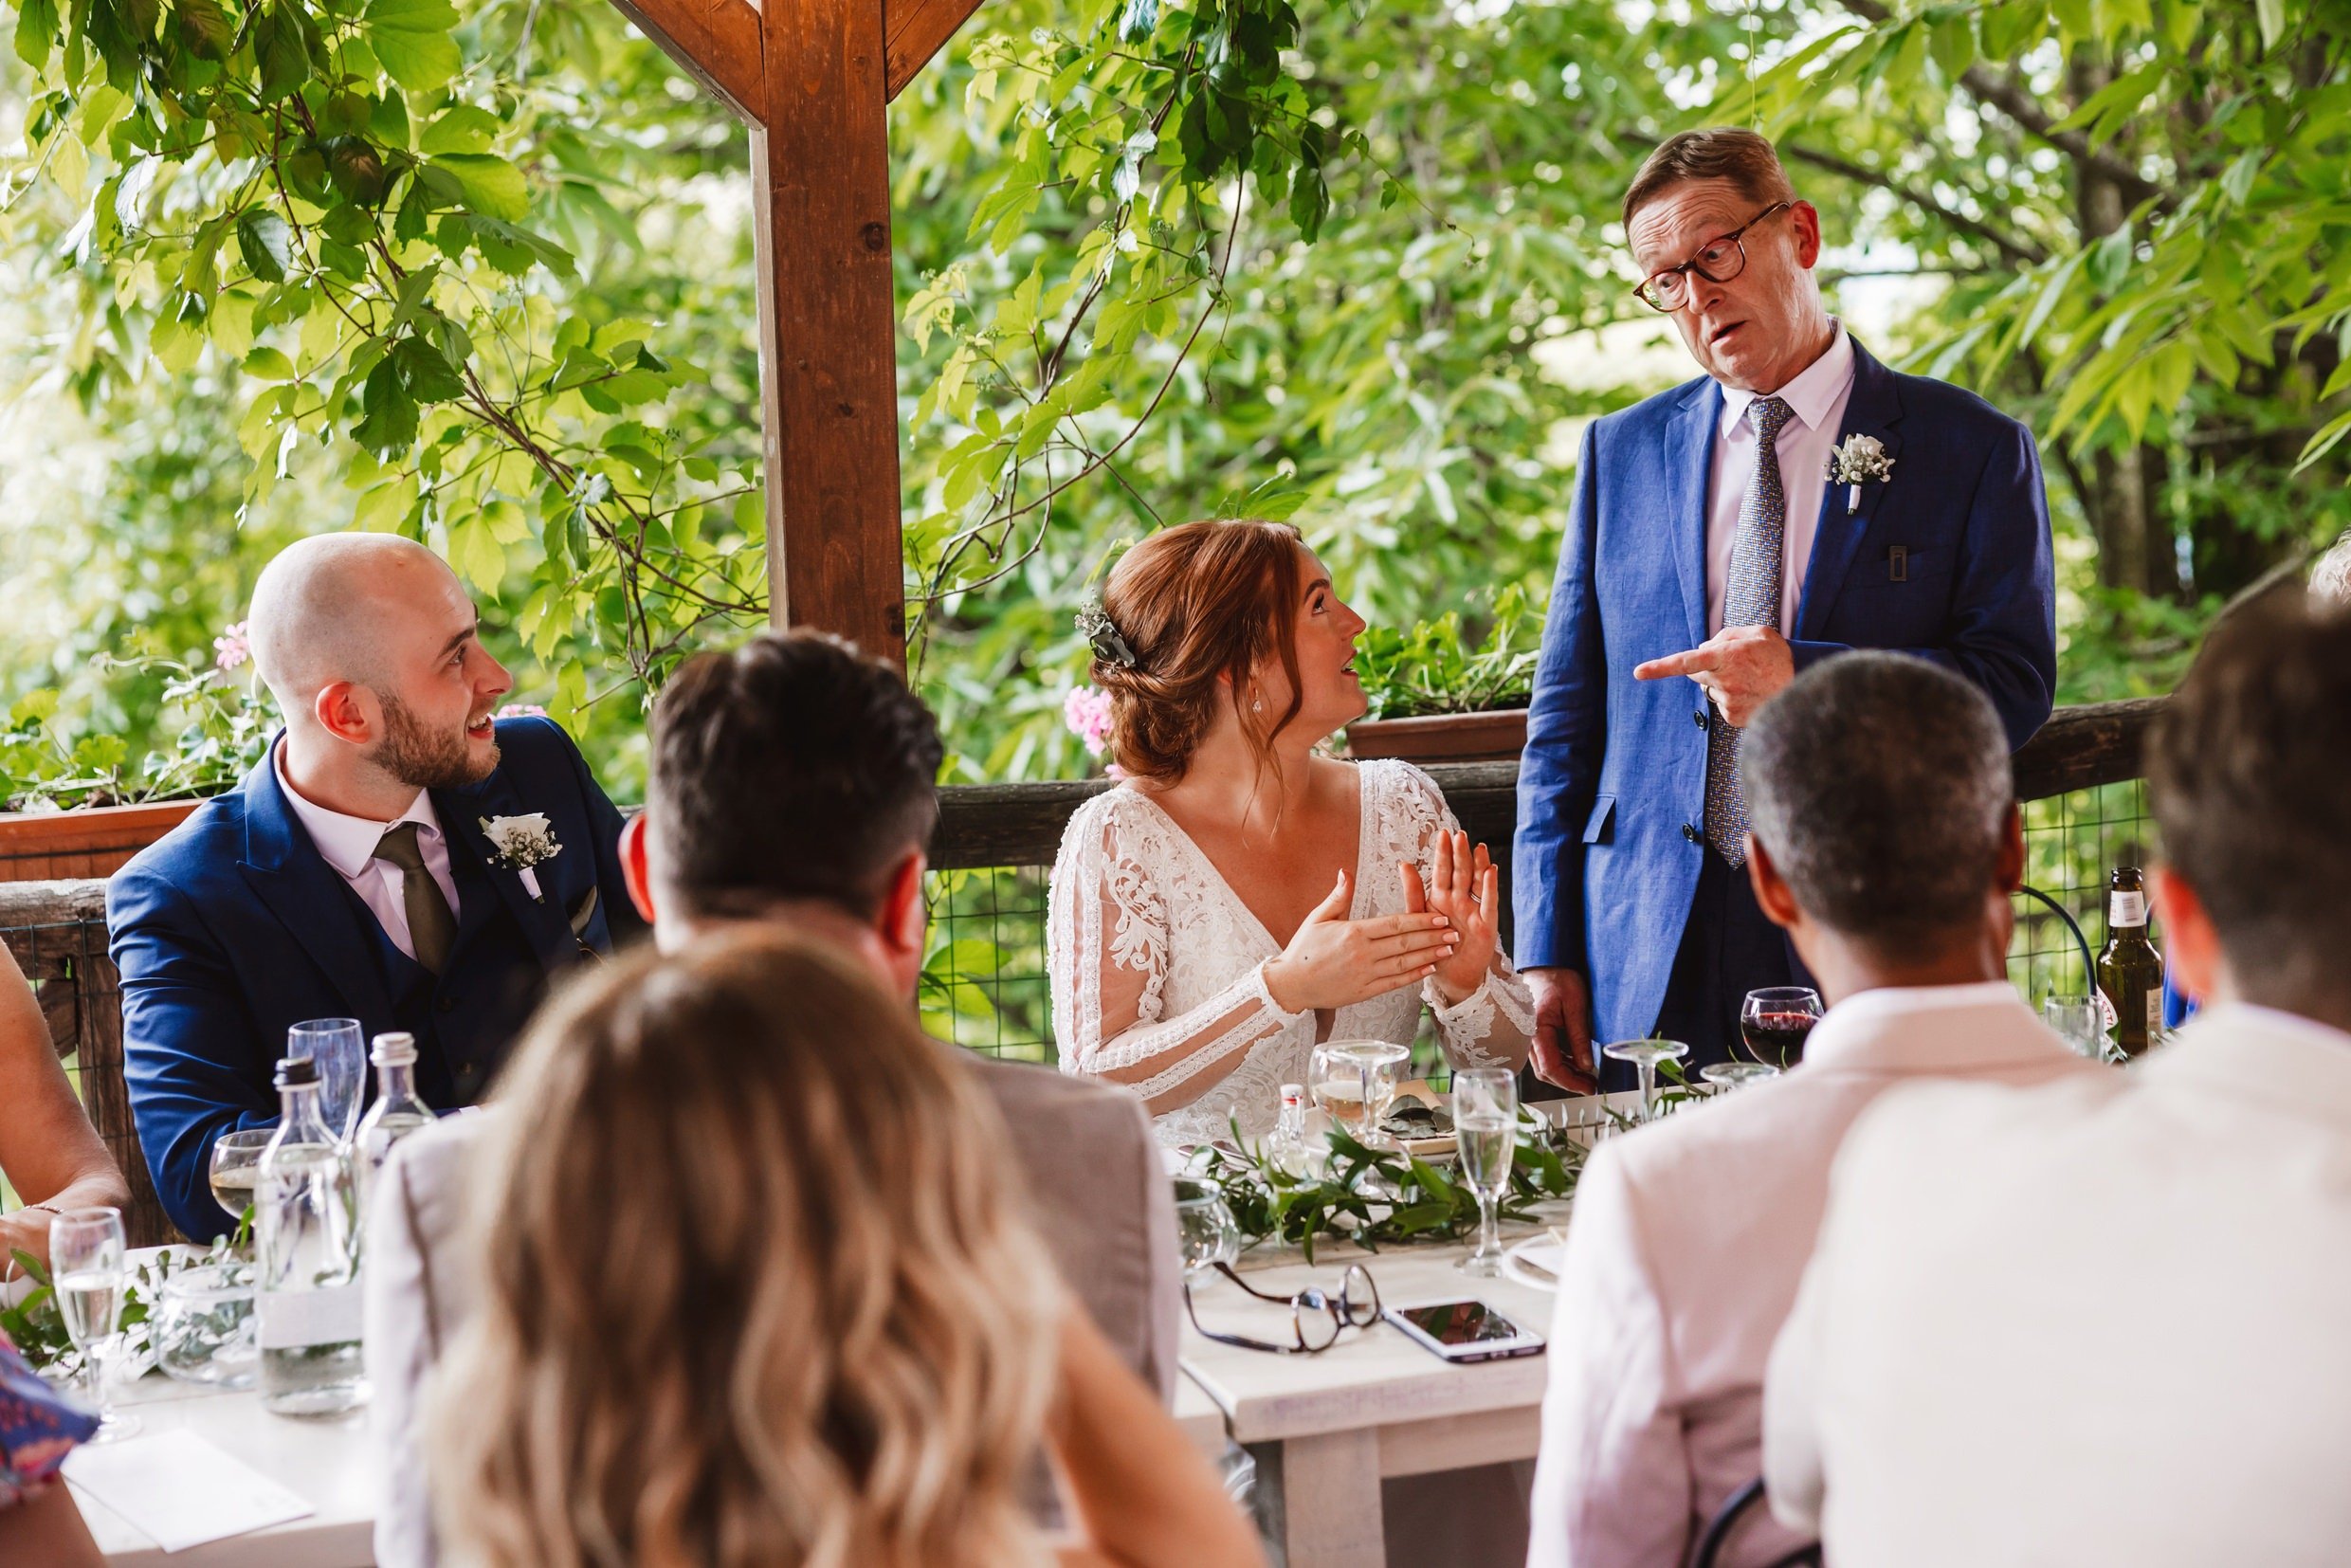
pixel 820 173
pixel 919 30
pixel 715 41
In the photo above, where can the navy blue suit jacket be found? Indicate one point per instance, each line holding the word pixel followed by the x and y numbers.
pixel 234 927
pixel 1611 790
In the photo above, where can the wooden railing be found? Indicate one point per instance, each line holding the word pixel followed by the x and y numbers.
pixel 58 929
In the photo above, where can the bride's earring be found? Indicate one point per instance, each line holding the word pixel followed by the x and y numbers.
pixel 1257 704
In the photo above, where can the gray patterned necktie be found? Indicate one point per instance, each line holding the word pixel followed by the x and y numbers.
pixel 1749 598
pixel 432 929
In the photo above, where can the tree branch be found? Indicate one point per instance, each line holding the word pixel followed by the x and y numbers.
pixel 2024 252
pixel 2007 92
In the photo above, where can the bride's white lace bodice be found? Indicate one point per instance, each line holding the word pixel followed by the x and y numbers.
pixel 1157 964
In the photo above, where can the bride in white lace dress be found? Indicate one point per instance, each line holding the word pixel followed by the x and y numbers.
pixel 1239 897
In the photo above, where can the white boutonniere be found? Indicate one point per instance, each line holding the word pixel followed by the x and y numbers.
pixel 1861 461
pixel 520 843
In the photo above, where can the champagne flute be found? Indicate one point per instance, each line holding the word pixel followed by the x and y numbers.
pixel 236 1168
pixel 1486 1130
pixel 1776 1021
pixel 88 1270
pixel 1646 1054
pixel 340 1052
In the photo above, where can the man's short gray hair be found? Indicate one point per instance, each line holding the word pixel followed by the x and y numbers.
pixel 1881 786
pixel 2330 579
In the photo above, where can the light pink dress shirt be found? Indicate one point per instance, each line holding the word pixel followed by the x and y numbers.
pixel 348 843
pixel 1684 1254
pixel 1819 395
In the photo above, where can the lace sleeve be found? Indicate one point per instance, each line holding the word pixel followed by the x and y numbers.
pixel 1107 955
pixel 1493 1026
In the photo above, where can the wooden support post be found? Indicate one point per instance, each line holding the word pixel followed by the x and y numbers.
pixel 820 171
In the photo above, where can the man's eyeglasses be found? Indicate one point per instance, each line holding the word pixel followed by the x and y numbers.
pixel 1718 261
pixel 1317 1316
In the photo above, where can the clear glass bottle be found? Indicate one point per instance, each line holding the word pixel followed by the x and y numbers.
pixel 397 1111
pixel 306 1238
pixel 1285 1146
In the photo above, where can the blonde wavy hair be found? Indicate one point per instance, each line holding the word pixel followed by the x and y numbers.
pixel 756 1290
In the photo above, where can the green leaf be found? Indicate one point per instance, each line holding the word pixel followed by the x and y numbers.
pixel 266 242
pixel 389 428
pixel 492 186
pixel 428 376
pixel 36 31
pixel 204 28
pixel 285 47
pixel 461 128
pixel 267 364
pixel 2271 16
pixel 414 41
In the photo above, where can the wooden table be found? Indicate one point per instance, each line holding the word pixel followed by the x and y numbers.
pixel 333 1464
pixel 1326 1429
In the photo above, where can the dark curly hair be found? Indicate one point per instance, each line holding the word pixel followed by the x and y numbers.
pixel 791 768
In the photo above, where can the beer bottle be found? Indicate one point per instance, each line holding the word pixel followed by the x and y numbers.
pixel 2130 972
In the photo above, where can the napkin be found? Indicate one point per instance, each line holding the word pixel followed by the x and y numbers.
pixel 181 1490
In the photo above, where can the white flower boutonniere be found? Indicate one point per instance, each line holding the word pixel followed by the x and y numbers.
pixel 520 843
pixel 1861 461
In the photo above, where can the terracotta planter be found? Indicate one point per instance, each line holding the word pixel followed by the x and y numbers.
pixel 93 842
pixel 1496 736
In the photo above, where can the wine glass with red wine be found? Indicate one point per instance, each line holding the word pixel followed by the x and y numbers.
pixel 1774 1021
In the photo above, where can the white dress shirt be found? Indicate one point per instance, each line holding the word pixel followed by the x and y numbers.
pixel 1819 395
pixel 348 843
pixel 2091 1325
pixel 1683 1258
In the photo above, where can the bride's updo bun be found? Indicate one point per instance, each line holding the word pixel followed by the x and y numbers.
pixel 1193 603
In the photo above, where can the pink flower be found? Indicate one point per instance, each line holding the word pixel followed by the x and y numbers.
pixel 521 710
pixel 1087 714
pixel 230 650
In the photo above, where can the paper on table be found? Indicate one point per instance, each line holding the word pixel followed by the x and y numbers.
pixel 181 1490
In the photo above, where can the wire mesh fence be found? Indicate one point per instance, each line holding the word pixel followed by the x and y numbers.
pixel 984 986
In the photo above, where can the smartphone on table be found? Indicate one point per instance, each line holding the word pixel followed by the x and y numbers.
pixel 1465 1330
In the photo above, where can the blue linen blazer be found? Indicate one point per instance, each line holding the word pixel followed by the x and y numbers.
pixel 233 927
pixel 1611 790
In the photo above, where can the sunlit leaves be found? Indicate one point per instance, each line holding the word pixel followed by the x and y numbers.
pixel 413 41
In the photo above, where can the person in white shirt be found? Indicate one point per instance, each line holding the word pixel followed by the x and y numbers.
pixel 1885 840
pixel 2105 1324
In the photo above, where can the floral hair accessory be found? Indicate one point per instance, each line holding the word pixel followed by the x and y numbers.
pixel 1861 461
pixel 1110 645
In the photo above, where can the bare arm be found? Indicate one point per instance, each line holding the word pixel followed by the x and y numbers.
pixel 48 1150
pixel 1139 1494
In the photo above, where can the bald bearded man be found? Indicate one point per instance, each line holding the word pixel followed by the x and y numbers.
pixel 352 873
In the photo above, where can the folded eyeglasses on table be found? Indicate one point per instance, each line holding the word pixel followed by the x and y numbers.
pixel 1317 1316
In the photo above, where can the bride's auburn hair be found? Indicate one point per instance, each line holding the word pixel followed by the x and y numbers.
pixel 755 1293
pixel 1196 602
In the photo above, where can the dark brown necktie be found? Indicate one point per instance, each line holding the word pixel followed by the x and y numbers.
pixel 432 930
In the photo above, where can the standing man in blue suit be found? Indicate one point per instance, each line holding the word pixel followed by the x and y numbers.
pixel 1709 544
pixel 354 873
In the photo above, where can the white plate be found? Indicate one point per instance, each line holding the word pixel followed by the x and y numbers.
pixel 1534 1261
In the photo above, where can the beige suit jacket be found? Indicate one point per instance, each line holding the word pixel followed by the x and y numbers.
pixel 1098 1192
pixel 2087 1324
pixel 1683 1258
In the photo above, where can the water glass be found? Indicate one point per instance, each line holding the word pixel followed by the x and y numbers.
pixel 1205 1227
pixel 236 1168
pixel 205 1330
pixel 1646 1054
pixel 1731 1075
pixel 336 1045
pixel 1486 1130
pixel 2076 1022
pixel 88 1269
pixel 1354 1081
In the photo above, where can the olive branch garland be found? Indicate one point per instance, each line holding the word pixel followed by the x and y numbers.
pixel 1270 1203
